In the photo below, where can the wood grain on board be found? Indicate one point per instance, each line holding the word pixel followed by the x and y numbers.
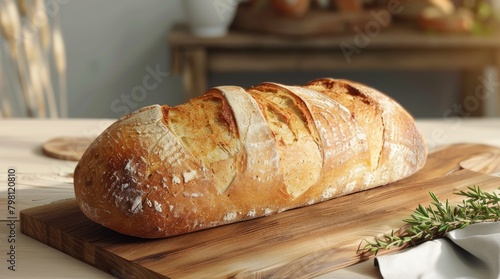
pixel 303 242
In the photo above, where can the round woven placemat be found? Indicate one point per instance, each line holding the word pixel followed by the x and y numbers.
pixel 66 148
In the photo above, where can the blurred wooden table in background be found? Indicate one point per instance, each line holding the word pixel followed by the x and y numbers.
pixel 394 48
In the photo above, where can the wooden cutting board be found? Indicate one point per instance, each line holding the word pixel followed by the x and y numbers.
pixel 298 243
pixel 314 23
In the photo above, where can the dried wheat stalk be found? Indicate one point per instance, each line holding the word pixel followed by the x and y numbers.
pixel 60 61
pixel 30 40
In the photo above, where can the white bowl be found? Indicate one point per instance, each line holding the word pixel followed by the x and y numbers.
pixel 210 18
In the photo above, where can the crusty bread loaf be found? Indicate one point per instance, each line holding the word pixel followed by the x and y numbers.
pixel 234 154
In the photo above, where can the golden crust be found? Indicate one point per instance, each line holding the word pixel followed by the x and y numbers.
pixel 235 154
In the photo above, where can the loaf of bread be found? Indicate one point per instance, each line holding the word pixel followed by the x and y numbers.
pixel 234 154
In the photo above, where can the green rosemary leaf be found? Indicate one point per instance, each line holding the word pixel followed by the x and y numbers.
pixel 434 197
pixel 435 220
pixel 444 228
pixel 411 221
pixel 407 239
pixel 442 211
pixel 421 212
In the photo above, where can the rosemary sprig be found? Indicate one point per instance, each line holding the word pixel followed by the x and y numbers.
pixel 438 218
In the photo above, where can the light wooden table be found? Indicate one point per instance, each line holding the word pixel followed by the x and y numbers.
pixel 395 48
pixel 42 180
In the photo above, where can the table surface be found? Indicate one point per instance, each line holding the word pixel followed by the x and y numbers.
pixel 42 180
pixel 397 36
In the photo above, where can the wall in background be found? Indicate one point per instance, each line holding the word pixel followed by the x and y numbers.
pixel 423 94
pixel 117 55
pixel 118 61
